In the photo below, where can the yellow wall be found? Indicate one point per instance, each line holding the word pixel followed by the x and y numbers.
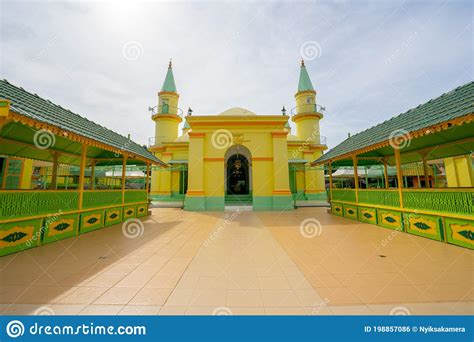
pixel 459 172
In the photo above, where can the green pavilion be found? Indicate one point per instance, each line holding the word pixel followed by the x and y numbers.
pixel 435 138
pixel 61 174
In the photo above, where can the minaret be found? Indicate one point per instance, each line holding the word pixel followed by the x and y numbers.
pixel 168 115
pixel 306 116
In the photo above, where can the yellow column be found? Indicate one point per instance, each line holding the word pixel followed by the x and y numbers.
pixel 330 180
pixel 356 177
pixel 281 177
pixel 92 180
pixel 425 174
pixel 399 175
pixel 196 167
pixel 147 186
pixel 459 171
pixel 164 186
pixel 124 171
pixel 194 199
pixel 82 170
pixel 54 179
pixel 385 173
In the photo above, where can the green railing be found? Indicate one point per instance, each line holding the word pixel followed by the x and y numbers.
pixel 105 198
pixel 346 195
pixel 459 201
pixel 385 197
pixel 29 203
pixel 134 196
pixel 25 203
pixel 443 200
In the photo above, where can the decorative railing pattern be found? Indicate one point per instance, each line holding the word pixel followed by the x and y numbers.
pixel 461 202
pixel 346 195
pixel 389 198
pixel 134 196
pixel 26 203
pixel 436 200
pixel 93 199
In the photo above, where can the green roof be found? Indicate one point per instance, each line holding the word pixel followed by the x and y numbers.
pixel 305 81
pixel 453 104
pixel 37 108
pixel 168 84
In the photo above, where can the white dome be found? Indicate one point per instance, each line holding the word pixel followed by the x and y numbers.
pixel 237 111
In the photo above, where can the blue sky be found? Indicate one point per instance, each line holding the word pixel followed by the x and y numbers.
pixel 107 60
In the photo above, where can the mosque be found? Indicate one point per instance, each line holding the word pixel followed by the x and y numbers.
pixel 238 157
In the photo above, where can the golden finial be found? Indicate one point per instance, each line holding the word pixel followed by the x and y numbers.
pixel 302 62
pixel 171 63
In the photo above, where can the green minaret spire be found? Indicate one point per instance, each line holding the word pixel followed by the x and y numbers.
pixel 168 84
pixel 305 81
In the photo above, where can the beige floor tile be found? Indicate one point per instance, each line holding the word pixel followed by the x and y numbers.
pixel 283 311
pixel 180 297
pixel 309 297
pixel 173 311
pixel 247 311
pixel 351 310
pixel 81 295
pixel 263 253
pixel 150 296
pixel 244 298
pixel 243 282
pixel 280 298
pixel 274 283
pixel 140 310
pixel 101 310
pixel 214 297
pixel 117 295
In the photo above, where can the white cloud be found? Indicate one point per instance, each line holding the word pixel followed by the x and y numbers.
pixel 377 60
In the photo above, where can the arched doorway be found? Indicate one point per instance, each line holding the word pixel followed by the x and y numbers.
pixel 238 175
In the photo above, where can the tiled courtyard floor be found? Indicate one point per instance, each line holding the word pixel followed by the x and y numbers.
pixel 240 263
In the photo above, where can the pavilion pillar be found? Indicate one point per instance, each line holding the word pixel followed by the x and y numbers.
pixel 385 173
pixel 124 172
pixel 92 180
pixel 356 178
pixel 399 175
pixel 330 180
pixel 54 177
pixel 425 173
pixel 82 170
pixel 147 186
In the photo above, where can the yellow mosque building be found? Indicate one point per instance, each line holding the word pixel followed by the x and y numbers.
pixel 237 156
